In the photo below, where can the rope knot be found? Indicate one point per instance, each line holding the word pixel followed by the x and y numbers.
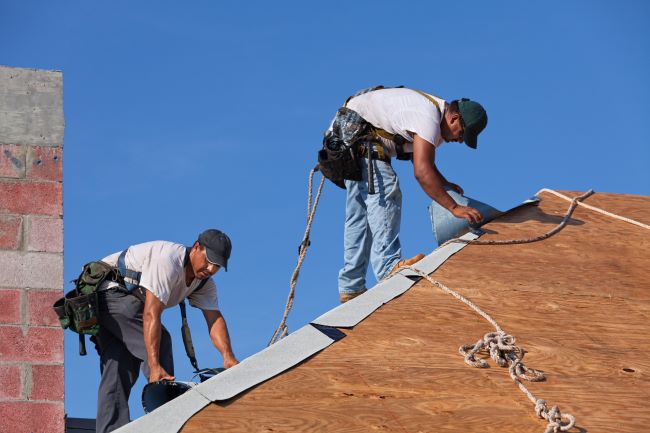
pixel 557 421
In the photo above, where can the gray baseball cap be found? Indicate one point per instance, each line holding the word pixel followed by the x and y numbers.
pixel 217 247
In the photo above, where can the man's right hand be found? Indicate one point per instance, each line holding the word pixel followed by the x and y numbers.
pixel 158 373
pixel 472 215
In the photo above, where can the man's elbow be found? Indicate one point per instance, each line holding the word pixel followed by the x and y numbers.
pixel 422 174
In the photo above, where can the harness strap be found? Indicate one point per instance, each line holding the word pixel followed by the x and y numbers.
pixel 131 278
pixel 388 136
pixel 185 327
pixel 187 337
pixel 379 132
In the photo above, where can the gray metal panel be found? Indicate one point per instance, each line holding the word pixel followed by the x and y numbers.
pixel 291 350
pixel 170 417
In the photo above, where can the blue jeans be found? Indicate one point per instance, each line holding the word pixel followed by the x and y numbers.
pixel 372 223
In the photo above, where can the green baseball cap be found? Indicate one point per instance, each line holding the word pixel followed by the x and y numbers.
pixel 474 119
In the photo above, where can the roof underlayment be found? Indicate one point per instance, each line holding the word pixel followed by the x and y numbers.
pixel 399 370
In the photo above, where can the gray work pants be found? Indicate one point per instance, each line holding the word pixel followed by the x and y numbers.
pixel 122 352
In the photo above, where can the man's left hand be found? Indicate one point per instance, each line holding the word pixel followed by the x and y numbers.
pixel 456 188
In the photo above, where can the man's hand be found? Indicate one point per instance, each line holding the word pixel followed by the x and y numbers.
pixel 456 188
pixel 158 373
pixel 472 215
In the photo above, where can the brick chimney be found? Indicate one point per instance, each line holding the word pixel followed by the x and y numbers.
pixel 31 250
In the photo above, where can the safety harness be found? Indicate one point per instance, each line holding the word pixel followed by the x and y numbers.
pixel 78 309
pixel 352 137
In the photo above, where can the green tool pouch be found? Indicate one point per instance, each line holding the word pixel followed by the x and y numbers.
pixel 78 309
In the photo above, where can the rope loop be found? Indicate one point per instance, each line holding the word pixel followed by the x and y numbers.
pixel 503 349
pixel 557 421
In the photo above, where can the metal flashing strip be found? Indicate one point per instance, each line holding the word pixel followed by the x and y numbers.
pixel 286 353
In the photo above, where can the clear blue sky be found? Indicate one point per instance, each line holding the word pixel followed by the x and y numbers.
pixel 186 115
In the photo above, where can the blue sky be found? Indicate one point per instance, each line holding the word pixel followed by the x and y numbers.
pixel 186 115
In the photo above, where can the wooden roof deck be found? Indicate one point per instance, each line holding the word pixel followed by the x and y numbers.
pixel 578 302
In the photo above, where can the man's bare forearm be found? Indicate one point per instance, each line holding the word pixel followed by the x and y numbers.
pixel 221 338
pixel 433 184
pixel 152 333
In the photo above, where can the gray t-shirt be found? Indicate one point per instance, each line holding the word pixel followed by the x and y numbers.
pixel 161 265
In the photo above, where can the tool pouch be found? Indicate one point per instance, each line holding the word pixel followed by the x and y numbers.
pixel 338 160
pixel 78 309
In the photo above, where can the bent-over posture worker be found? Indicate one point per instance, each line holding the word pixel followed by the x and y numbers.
pixel 131 334
pixel 409 125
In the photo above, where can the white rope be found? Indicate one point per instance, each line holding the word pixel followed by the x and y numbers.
pixel 282 329
pixel 503 350
pixel 567 216
pixel 596 209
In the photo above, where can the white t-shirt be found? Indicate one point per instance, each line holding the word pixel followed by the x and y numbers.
pixel 161 265
pixel 400 111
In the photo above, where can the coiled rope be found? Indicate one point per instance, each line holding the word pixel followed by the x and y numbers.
pixel 501 346
pixel 282 329
pixel 504 351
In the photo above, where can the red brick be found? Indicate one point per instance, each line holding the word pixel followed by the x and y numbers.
pixel 10 306
pixel 11 387
pixel 39 307
pixel 31 198
pixel 29 417
pixel 47 382
pixel 45 234
pixel 10 228
pixel 45 163
pixel 12 161
pixel 39 345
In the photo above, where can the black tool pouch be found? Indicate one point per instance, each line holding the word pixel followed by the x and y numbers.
pixel 78 309
pixel 338 160
pixel 399 149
